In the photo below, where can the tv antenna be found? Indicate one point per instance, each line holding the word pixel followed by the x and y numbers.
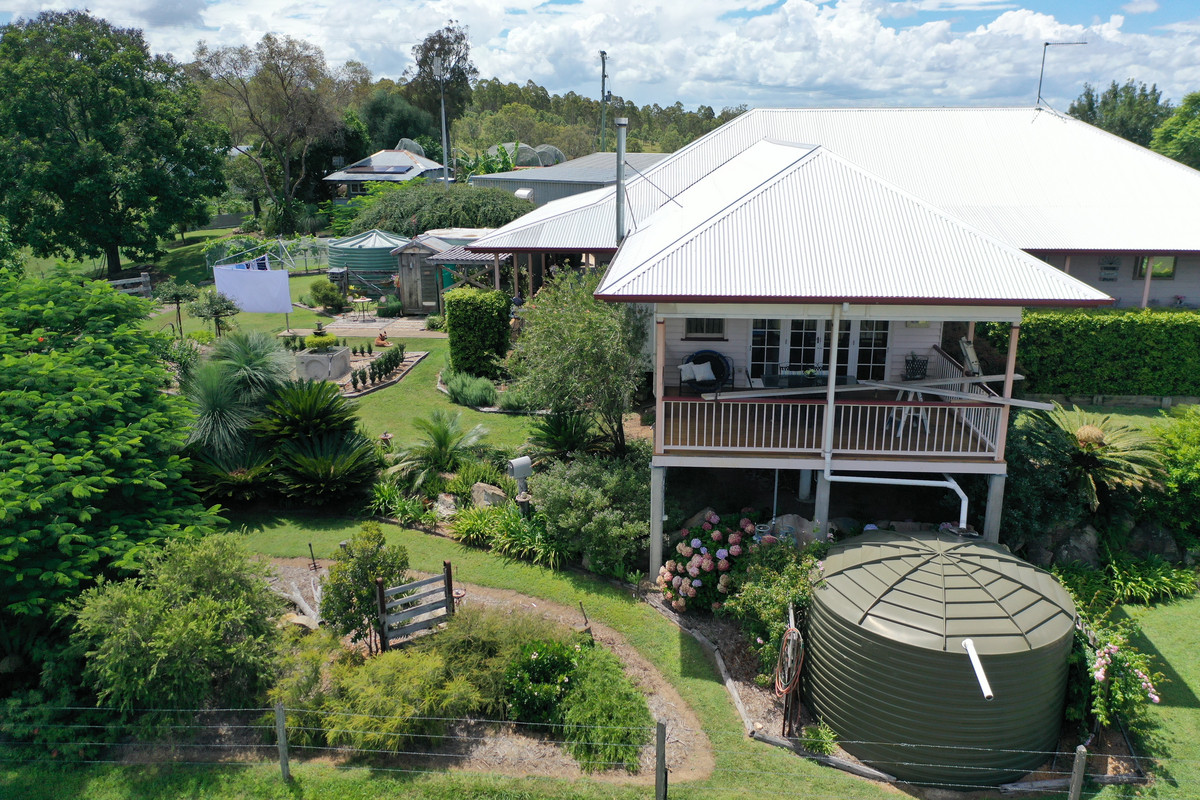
pixel 603 97
pixel 1042 74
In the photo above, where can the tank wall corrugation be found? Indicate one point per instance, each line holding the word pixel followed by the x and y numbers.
pixel 362 258
pixel 914 707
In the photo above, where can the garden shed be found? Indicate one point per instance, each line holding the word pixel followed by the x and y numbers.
pixel 365 260
pixel 888 671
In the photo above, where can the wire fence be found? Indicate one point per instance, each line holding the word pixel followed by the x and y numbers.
pixel 716 762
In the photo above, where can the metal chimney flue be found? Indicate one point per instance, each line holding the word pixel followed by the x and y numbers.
pixel 622 125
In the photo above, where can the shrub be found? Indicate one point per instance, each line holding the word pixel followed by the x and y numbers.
pixel 195 629
pixel 562 433
pixel 413 207
pixel 326 295
pixel 1108 676
pixel 443 447
pixel 477 321
pixel 303 685
pixel 1103 351
pixel 329 468
pixel 775 577
pixel 435 322
pixel 701 571
pixel 478 643
pixel 474 525
pixel 468 390
pixel 394 697
pixel 202 336
pixel 606 719
pixel 392 307
pixel 349 603
pixel 819 739
pixel 473 472
pixel 512 399
pixel 320 341
pixel 597 507
pixel 537 679
pixel 1178 504
pixel 1133 580
pixel 525 538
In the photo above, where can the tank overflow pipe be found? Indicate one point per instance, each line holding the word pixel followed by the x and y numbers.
pixel 980 675
pixel 948 483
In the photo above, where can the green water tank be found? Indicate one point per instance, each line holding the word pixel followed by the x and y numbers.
pixel 887 670
pixel 370 251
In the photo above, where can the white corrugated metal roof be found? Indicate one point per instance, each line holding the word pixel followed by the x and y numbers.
pixel 1029 176
pixel 371 239
pixel 386 165
pixel 598 168
pixel 783 222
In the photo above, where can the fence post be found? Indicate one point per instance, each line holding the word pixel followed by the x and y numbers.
pixel 449 588
pixel 381 601
pixel 281 737
pixel 1077 773
pixel 146 291
pixel 660 762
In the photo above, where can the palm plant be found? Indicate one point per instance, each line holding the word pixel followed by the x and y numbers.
pixel 244 476
pixel 327 468
pixel 443 446
pixel 254 362
pixel 303 410
pixel 1105 455
pixel 561 432
pixel 222 415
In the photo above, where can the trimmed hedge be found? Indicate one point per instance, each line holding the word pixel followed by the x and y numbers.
pixel 1143 352
pixel 477 324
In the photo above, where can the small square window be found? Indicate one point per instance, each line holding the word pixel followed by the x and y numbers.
pixel 704 328
pixel 1110 268
pixel 1161 268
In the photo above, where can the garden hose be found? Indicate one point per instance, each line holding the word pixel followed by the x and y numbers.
pixel 791 659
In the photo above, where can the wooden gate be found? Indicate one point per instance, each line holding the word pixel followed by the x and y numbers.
pixel 402 614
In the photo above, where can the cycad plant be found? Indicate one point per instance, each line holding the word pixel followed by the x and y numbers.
pixel 241 477
pixel 327 468
pixel 443 446
pixel 561 432
pixel 254 362
pixel 305 409
pixel 1106 456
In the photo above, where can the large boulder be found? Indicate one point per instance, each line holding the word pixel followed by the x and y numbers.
pixel 447 506
pixel 1083 547
pixel 484 494
pixel 697 519
pixel 1152 539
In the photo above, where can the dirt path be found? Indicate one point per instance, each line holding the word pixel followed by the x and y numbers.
pixel 689 752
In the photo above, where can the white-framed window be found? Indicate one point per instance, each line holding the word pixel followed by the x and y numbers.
pixel 1161 268
pixel 704 328
pixel 1110 268
pixel 862 346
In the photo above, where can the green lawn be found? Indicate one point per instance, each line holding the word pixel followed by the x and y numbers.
pixel 183 259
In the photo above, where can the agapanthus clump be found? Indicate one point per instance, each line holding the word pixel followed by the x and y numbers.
pixel 699 574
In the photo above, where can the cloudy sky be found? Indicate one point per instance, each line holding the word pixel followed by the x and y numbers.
pixel 725 52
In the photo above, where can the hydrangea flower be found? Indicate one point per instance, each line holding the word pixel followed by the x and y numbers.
pixel 717 536
pixel 676 581
pixel 704 551
pixel 707 526
pixel 696 543
pixel 714 519
pixel 723 565
pixel 722 553
pixel 736 550
pixel 707 565
pixel 697 582
pixel 735 538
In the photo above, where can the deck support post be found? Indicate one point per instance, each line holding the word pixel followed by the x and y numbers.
pixel 1146 281
pixel 995 505
pixel 805 492
pixel 658 487
pixel 821 512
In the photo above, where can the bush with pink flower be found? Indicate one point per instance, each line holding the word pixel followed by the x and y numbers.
pixel 1110 677
pixel 699 572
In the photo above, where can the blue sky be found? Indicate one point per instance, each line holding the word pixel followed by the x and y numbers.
pixel 721 53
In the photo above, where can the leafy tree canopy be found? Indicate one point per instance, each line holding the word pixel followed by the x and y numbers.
pixel 424 88
pixel 577 353
pixel 103 146
pixel 91 481
pixel 412 208
pixel 1128 110
pixel 1179 136
pixel 389 117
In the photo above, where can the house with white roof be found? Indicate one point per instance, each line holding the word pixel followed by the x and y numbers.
pixel 819 253
pixel 386 166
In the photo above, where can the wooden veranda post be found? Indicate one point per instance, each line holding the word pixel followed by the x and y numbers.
pixel 449 588
pixel 381 601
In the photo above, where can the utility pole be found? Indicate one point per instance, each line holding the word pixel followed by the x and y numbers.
pixel 439 73
pixel 603 99
pixel 1042 74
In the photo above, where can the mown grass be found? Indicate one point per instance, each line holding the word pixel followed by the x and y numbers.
pixel 184 258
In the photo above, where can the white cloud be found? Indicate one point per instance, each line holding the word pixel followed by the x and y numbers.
pixel 1140 7
pixel 798 52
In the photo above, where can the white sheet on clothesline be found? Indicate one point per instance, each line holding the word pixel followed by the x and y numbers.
pixel 256 290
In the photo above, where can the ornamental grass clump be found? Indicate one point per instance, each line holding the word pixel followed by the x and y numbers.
pixel 700 574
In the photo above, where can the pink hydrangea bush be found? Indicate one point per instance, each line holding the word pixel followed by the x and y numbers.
pixel 699 573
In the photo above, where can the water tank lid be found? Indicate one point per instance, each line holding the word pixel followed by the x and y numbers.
pixel 933 590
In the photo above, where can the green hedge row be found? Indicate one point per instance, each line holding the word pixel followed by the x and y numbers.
pixel 1147 352
pixel 477 325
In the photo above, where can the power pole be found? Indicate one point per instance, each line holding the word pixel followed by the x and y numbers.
pixel 603 98
pixel 439 72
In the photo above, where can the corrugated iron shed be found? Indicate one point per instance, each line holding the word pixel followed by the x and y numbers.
pixel 548 184
pixel 821 229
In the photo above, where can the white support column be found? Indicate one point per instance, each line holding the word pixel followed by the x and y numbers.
pixel 1067 264
pixel 1010 371
pixel 821 512
pixel 995 505
pixel 496 271
pixel 660 350
pixel 658 488
pixel 1146 283
pixel 805 492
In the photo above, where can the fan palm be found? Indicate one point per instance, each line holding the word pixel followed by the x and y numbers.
pixel 254 362
pixel 443 446
pixel 222 416
pixel 1105 455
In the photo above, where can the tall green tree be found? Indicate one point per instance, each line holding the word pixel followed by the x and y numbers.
pixel 389 117
pixel 1129 110
pixel 91 480
pixel 577 353
pixel 424 90
pixel 103 146
pixel 1179 136
pixel 282 97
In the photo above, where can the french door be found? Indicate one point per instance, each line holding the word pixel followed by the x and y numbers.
pixel 805 344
